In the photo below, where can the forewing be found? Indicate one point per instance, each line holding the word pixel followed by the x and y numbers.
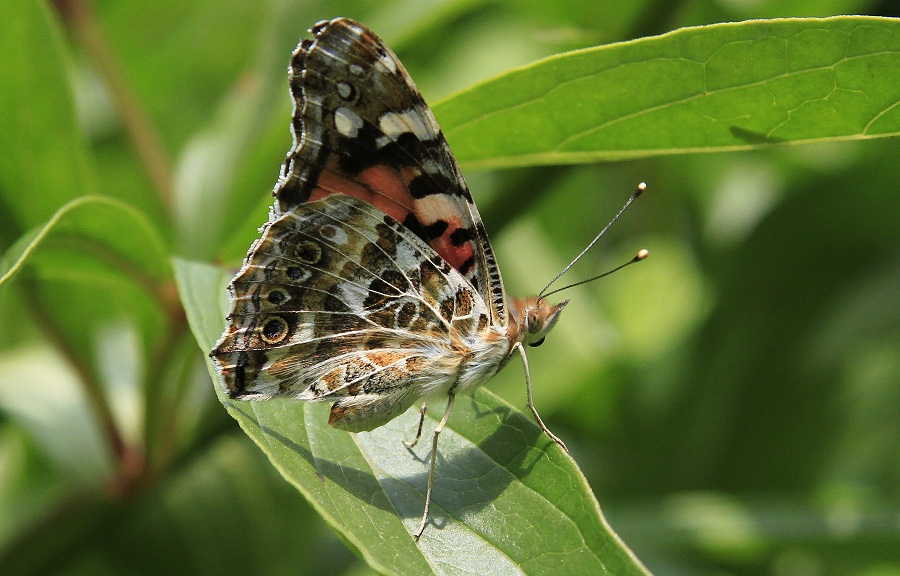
pixel 335 300
pixel 361 128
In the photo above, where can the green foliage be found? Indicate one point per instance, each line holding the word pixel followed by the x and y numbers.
pixel 708 89
pixel 732 400
pixel 494 466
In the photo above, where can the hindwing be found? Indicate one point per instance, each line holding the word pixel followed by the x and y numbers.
pixel 337 300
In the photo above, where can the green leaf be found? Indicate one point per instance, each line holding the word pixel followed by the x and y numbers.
pixel 96 262
pixel 95 272
pixel 44 162
pixel 225 493
pixel 87 235
pixel 704 89
pixel 180 80
pixel 42 393
pixel 506 498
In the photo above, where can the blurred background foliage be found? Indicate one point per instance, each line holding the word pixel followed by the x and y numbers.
pixel 733 400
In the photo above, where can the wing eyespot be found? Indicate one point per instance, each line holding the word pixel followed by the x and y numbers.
pixel 308 252
pixel 276 297
pixel 274 330
pixel 297 273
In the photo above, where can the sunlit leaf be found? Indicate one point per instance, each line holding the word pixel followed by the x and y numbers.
pixel 704 89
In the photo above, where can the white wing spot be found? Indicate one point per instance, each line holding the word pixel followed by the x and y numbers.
pixel 407 257
pixel 388 62
pixel 356 69
pixel 347 122
pixel 394 124
pixel 344 90
pixel 338 236
pixel 353 296
pixel 436 204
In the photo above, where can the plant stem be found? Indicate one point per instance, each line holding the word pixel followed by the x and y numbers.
pixel 87 377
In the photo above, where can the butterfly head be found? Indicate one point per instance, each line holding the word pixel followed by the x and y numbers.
pixel 534 318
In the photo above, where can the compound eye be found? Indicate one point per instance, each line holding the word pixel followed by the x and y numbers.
pixel 538 343
pixel 535 323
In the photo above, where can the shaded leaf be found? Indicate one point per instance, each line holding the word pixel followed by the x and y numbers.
pixel 506 498
pixel 88 235
pixel 96 263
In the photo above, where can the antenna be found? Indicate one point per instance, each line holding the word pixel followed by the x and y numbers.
pixel 643 253
pixel 640 255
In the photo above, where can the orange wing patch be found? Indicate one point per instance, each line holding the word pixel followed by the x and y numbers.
pixel 380 186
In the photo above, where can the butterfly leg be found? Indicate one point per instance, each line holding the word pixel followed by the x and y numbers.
pixel 437 432
pixel 534 411
pixel 419 431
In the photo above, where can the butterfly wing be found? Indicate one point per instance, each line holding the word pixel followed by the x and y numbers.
pixel 337 301
pixel 362 128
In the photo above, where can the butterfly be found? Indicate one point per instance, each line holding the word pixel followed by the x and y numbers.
pixel 373 285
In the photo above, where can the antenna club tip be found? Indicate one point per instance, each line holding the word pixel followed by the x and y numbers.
pixel 640 190
pixel 642 253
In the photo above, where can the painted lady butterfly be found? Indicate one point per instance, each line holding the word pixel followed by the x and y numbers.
pixel 374 284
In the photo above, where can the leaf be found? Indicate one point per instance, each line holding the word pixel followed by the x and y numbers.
pixel 506 499
pixel 94 263
pixel 44 162
pixel 182 79
pixel 704 89
pixel 42 394
pixel 95 273
pixel 226 492
pixel 92 228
